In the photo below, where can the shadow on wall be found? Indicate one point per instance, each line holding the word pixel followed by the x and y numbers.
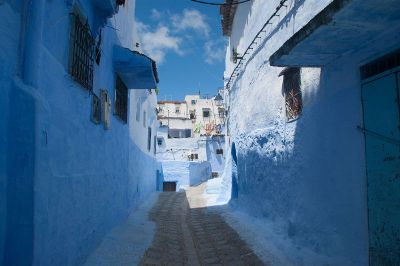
pixel 20 175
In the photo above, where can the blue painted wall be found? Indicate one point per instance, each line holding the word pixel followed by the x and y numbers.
pixel 65 180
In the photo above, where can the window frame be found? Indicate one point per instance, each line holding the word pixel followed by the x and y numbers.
pixel 81 50
pixel 121 100
pixel 291 90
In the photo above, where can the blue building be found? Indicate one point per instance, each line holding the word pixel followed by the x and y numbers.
pixel 313 97
pixel 78 126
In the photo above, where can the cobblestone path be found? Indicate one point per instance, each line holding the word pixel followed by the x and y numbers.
pixel 193 236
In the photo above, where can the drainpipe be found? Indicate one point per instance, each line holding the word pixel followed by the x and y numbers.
pixel 33 41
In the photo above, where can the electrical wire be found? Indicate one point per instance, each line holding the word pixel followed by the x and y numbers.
pixel 220 4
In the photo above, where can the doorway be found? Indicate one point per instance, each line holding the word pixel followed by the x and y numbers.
pixel 380 98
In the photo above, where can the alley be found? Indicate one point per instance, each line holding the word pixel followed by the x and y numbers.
pixel 188 233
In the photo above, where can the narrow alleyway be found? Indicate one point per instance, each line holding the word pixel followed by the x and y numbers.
pixel 189 234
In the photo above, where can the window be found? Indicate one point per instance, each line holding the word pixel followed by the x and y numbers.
pixel 214 174
pixel 81 52
pixel 291 89
pixel 206 113
pixel 144 118
pixel 192 115
pixel 193 102
pixel 193 156
pixel 149 138
pixel 96 109
pixel 138 110
pixel 121 100
pixel 177 109
pixel 159 141
pixel 221 113
pixel 155 145
pixel 220 151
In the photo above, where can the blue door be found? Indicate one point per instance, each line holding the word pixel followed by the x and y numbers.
pixel 382 144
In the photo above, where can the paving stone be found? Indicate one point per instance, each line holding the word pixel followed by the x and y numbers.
pixel 193 236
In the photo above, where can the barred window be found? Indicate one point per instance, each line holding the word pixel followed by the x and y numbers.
pixel 82 52
pixel 291 89
pixel 121 100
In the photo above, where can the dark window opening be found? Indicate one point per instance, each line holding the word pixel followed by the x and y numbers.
pixel 149 138
pixel 82 53
pixel 381 65
pixel 206 113
pixel 96 109
pixel 155 144
pixel 220 151
pixel 193 102
pixel 192 115
pixel 193 156
pixel 159 142
pixel 169 186
pixel 221 113
pixel 291 89
pixel 214 174
pixel 121 100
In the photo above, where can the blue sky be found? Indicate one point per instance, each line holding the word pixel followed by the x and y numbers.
pixel 185 39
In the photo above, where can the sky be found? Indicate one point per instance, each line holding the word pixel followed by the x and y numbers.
pixel 185 39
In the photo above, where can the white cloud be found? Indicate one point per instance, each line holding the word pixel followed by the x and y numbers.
pixel 214 51
pixel 159 42
pixel 191 19
pixel 155 14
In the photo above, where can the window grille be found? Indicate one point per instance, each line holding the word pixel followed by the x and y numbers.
pixel 220 151
pixel 149 138
pixel 291 89
pixel 96 109
pixel 82 53
pixel 381 65
pixel 121 100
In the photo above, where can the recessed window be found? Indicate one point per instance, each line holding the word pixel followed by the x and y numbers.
pixel 149 138
pixel 193 102
pixel 192 115
pixel 219 151
pixel 121 100
pixel 81 52
pixel 221 113
pixel 96 109
pixel 159 141
pixel 138 111
pixel 206 113
pixel 214 174
pixel 291 89
pixel 193 156
pixel 155 145
pixel 177 109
